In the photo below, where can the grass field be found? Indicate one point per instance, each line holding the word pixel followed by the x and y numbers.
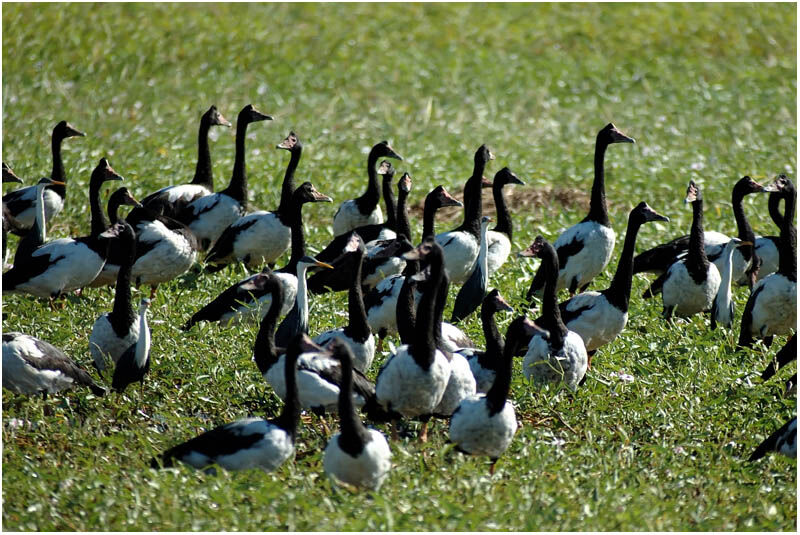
pixel 709 93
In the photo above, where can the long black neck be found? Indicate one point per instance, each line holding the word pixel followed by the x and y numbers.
pixel 388 199
pixel 113 210
pixel 742 224
pixel 237 189
pixel 494 342
pixel 441 301
pixel 369 200
pixel 58 172
pixel 123 313
pixel 787 263
pixel 358 327
pixel 473 203
pixel 551 315
pixel 598 211
pixel 619 293
pixel 423 347
pixel 298 237
pixel 203 173
pixel 353 433
pixel 37 235
pixel 774 206
pixel 99 221
pixel 498 393
pixel 696 260
pixel 264 351
pixel 291 407
pixel 402 224
pixel 405 311
pixel 504 224
pixel 288 187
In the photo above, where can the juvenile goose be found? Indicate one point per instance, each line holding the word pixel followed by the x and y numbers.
pixel 208 216
pixel 691 283
pixel 261 237
pixel 783 440
pixel 66 264
pixel 21 202
pixel 485 424
pixel 461 244
pixel 501 236
pixel 364 210
pixel 413 379
pixel 772 306
pixel 486 363
pixel 9 221
pixel 355 455
pixel 134 363
pixel 117 249
pixel 722 308
pixel 174 199
pixel 249 442
pixel 32 366
pixel 115 331
pixel 555 353
pixel 247 298
pixel 585 249
pixel 471 293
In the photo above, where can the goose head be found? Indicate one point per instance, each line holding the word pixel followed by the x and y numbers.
pixel 425 249
pixel 104 172
pixel 121 229
pixel 214 118
pixel 64 130
pixel 506 176
pixel 693 193
pixel 251 115
pixel 610 134
pixel 306 192
pixel 8 174
pixel 534 249
pixel 485 221
pixel 46 181
pixel 143 305
pixel 483 155
pixel 644 214
pixel 519 333
pixel 440 198
pixel 309 261
pixel 291 143
pixel 747 185
pixel 384 150
pixel 495 302
pixel 123 196
pixel 404 184
pixel 386 170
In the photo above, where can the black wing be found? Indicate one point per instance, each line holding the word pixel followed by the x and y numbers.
pixel 661 257
pixel 772 442
pixel 127 371
pixel 231 299
pixel 784 356
pixel 223 248
pixel 226 439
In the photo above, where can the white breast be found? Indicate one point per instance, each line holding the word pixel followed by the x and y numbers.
pixel 185 193
pixel 382 316
pixel 391 266
pixel 480 434
pixel 484 377
pixel 363 352
pixel 498 251
pixel 769 254
pixel 775 307
pixel 598 325
pixel 212 214
pixel 53 204
pixel 542 365
pixel 104 344
pixel 688 298
pixel 75 267
pixel 460 386
pixel 591 260
pixel 171 257
pixel 367 470
pixel 460 253
pixel 263 241
pixel 348 217
pixel 406 388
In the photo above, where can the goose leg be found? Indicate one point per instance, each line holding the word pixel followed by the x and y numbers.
pixel 153 288
pixel 423 433
pixel 395 435
pixel 491 467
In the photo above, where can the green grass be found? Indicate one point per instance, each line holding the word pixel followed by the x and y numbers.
pixel 709 93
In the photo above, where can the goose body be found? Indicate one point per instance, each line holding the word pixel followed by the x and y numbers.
pixel 461 385
pixel 166 249
pixel 783 441
pixel 499 238
pixel 9 221
pixel 485 364
pixel 32 366
pixel 118 250
pixel 471 294
pixel 768 247
pixel 134 363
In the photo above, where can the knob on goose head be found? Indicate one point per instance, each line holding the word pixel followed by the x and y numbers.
pixel 610 134
pixel 104 172
pixel 404 184
pixel 385 168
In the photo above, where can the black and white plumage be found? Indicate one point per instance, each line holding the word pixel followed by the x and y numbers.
pixel 173 199
pixel 501 236
pixel 364 210
pixel 771 308
pixel 208 216
pixel 691 283
pixel 484 364
pixel 722 309
pixel 555 354
pixel 413 380
pixel 485 424
pixel 32 366
pixel 356 334
pixel 585 249
pixel 461 245
pixel 355 455
pixel 249 442
pixel 783 441
pixel 261 237
pixel 471 293
pixel 766 247
pixel 134 363
pixel 784 356
pixel 37 234
pixel 9 221
pixel 115 331
pixel 66 264
pixel 118 249
pixel 21 202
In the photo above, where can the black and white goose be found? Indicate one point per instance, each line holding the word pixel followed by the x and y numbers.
pixel 413 380
pixel 37 234
pixel 21 202
pixel 355 455
pixel 486 363
pixel 66 264
pixel 208 216
pixel 9 221
pixel 501 236
pixel 134 363
pixel 117 249
pixel 261 237
pixel 485 424
pixel 722 309
pixel 461 245
pixel 767 247
pixel 783 441
pixel 691 283
pixel 471 293
pixel 555 354
pixel 115 331
pixel 364 210
pixel 784 356
pixel 356 334
pixel 247 298
pixel 660 258
pixel 173 199
pixel 585 249
pixel 249 442
pixel 771 308
pixel 32 366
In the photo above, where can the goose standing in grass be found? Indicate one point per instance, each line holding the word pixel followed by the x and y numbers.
pixel 501 236
pixel 461 244
pixel 364 210
pixel 247 298
pixel 134 363
pixel 9 221
pixel 356 334
pixel 261 237
pixel 691 283
pixel 485 424
pixel 585 249
pixel 21 202
pixel 249 442
pixel 32 366
pixel 117 249
pixel 66 264
pixel 296 321
pixel 115 331
pixel 555 353
pixel 413 379
pixel 767 247
pixel 174 199
pixel 485 364
pixel 783 441
pixel 722 308
pixel 471 293
pixel 772 306
pixel 208 216
pixel 355 455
